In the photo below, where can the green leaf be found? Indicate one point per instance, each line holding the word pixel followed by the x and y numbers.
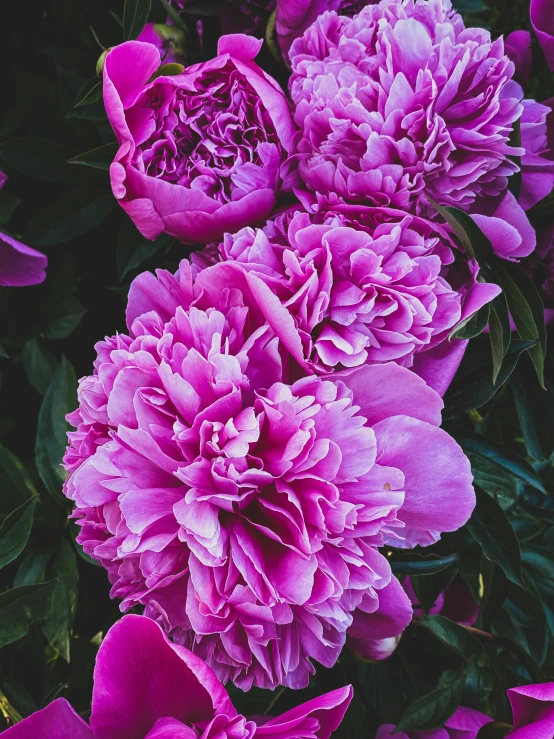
pixel 527 311
pixel 473 386
pixel 505 459
pixel 76 212
pixel 39 363
pixel 410 565
pixel 90 93
pixel 39 158
pixel 58 626
pixel 431 711
pixel 15 531
pixel 428 587
pixel 494 730
pixel 8 203
pixel 135 15
pixel 133 249
pixel 21 607
pixel 32 568
pixel 15 483
pixel 453 635
pixel 473 325
pixel 99 158
pixel 535 410
pixel 493 532
pixel 499 332
pixel 60 316
pixel 60 399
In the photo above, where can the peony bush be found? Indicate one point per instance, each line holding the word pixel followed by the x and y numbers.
pixel 299 255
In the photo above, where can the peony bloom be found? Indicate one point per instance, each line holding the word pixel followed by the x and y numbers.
pixel 402 103
pixel 243 508
pixel 19 264
pixel 518 47
pixel 293 18
pixel 364 285
pixel 169 40
pixel 537 165
pixel 542 19
pixel 145 687
pixel 464 724
pixel 200 152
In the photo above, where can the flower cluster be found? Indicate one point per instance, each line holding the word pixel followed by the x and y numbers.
pixel 271 419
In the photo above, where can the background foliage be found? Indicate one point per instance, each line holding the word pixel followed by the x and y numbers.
pixel 54 601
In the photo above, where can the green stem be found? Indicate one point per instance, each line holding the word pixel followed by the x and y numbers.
pixel 175 17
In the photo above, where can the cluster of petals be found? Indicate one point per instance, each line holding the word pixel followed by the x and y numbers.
pixel 364 285
pixel 201 152
pixel 245 507
pixel 145 687
pixel 402 103
pixel 533 718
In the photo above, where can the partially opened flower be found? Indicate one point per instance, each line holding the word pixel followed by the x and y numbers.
pixel 200 152
pixel 243 508
pixel 518 47
pixel 145 687
pixel 403 103
pixel 364 285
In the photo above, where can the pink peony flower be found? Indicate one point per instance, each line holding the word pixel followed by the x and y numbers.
pixel 364 285
pixel 19 264
pixel 537 165
pixel 464 724
pixel 402 103
pixel 201 152
pixel 293 18
pixel 542 19
pixel 243 508
pixel 145 687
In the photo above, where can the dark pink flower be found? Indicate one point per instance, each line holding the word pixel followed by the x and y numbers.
pixel 200 152
pixel 243 508
pixel 542 19
pixel 533 709
pixel 364 285
pixel 456 603
pixel 518 47
pixel 145 687
pixel 403 103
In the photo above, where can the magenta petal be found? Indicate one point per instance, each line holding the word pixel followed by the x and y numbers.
pixel 19 264
pixel 394 614
pixel 533 709
pixel 439 365
pixel 439 491
pixel 239 46
pixel 140 676
pixel 517 46
pixel 328 709
pixel 542 19
pixel 388 390
pixel 57 721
